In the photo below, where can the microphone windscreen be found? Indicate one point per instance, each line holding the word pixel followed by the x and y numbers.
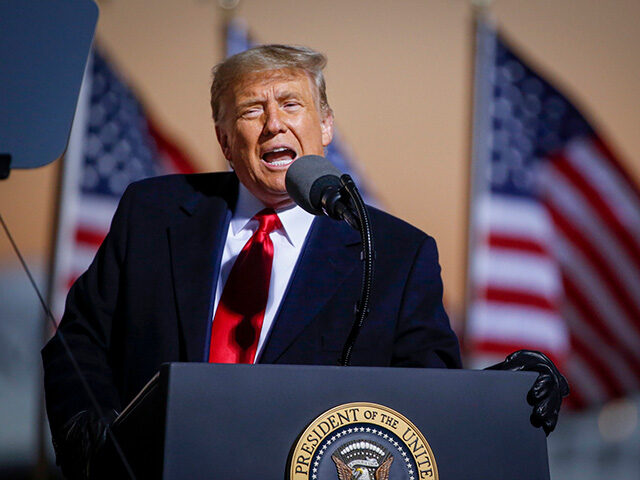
pixel 307 177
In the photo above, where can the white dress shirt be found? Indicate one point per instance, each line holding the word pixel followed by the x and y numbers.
pixel 287 245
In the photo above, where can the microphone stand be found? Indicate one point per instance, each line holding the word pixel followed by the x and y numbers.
pixel 368 257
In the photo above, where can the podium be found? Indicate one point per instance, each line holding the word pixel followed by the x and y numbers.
pixel 235 422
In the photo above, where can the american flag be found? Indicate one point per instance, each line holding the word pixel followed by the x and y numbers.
pixel 554 232
pixel 113 142
pixel 238 39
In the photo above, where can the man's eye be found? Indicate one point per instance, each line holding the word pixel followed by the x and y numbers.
pixel 251 113
pixel 291 105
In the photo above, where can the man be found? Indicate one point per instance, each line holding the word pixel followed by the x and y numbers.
pixel 223 267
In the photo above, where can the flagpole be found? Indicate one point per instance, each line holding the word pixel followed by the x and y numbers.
pixel 228 10
pixel 480 14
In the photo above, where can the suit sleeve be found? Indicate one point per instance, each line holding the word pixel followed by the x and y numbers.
pixel 86 327
pixel 423 336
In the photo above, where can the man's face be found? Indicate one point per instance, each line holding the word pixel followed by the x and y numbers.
pixel 270 119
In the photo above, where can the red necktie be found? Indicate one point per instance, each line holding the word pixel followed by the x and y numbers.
pixel 236 325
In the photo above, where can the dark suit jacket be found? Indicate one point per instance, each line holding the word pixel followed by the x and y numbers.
pixel 147 297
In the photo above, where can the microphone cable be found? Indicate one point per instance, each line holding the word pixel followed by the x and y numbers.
pixel 362 307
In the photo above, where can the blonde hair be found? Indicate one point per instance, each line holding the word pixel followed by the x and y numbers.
pixel 265 58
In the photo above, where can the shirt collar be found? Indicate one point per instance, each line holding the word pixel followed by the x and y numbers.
pixel 295 221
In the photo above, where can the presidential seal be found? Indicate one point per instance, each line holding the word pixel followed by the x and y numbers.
pixel 362 441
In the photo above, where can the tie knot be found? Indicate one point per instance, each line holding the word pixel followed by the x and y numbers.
pixel 269 221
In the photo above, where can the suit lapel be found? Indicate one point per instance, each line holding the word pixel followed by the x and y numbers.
pixel 196 244
pixel 321 268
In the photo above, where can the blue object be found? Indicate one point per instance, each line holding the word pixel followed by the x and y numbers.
pixel 44 45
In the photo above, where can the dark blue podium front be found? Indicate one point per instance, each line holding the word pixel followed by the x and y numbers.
pixel 201 421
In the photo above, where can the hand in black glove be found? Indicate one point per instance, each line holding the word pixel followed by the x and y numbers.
pixel 80 441
pixel 547 391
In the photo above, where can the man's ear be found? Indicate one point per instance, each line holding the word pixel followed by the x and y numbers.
pixel 327 129
pixel 223 140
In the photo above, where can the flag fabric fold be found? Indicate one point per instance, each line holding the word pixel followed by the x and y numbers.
pixel 113 142
pixel 554 232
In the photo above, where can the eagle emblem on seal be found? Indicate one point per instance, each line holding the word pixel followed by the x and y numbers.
pixel 362 460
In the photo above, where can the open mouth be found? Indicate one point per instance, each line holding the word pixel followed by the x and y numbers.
pixel 279 157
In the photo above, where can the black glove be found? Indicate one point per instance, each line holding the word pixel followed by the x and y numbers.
pixel 547 391
pixel 80 442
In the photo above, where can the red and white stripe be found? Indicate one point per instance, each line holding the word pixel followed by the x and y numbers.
pixel 595 210
pixel 84 220
pixel 516 281
pixel 66 257
pixel 563 276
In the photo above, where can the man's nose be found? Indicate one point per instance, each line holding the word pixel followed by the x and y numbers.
pixel 274 121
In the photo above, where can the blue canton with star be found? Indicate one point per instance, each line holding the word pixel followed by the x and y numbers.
pixel 529 121
pixel 118 147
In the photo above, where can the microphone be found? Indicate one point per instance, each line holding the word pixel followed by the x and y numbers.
pixel 314 183
pixel 317 186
